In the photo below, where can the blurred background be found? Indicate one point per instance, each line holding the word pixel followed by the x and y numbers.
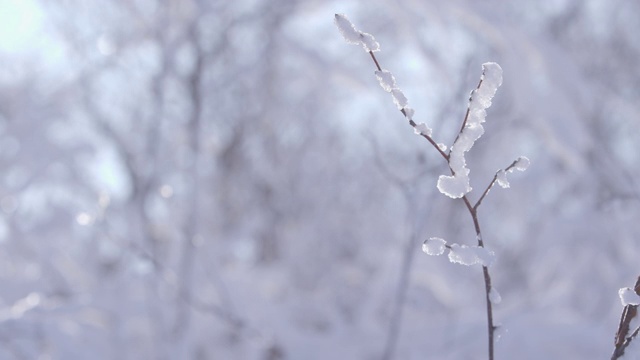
pixel 227 180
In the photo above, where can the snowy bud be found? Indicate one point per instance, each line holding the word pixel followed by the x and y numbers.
pixel 354 36
pixel 454 186
pixel 422 129
pixel 386 79
pixel 399 99
pixel 409 112
pixel 434 246
pixel 629 297
pixel 369 42
pixel 522 163
pixel 501 179
pixel 347 29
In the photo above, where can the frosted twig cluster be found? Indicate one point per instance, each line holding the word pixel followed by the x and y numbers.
pixel 460 254
pixel 455 185
pixel 627 334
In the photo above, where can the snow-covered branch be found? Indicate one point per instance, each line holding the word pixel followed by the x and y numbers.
pixel 456 185
pixel 386 79
pixel 629 327
pixel 354 36
pixel 520 164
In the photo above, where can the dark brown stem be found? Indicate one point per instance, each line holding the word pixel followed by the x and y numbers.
pixel 487 279
pixel 473 211
pixel 375 60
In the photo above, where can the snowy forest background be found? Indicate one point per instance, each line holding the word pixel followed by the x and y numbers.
pixel 226 179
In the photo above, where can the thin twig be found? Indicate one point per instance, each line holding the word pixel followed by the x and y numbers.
pixel 493 181
pixel 411 122
pixel 429 138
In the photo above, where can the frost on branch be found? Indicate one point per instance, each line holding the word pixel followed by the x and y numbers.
pixel 470 255
pixel 457 185
pixel 501 179
pixel 409 112
pixel 494 296
pixel 369 42
pixel 629 297
pixel 454 186
pixel 626 340
pixel 460 254
pixel 481 99
pixel 385 77
pixel 522 163
pixel 347 29
pixel 354 36
pixel 399 99
pixel 434 246
pixel 422 129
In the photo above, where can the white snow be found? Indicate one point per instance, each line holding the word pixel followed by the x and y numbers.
pixel 347 29
pixel 457 185
pixel 501 179
pixel 354 36
pixel 522 163
pixel 485 256
pixel 491 81
pixel 422 129
pixel 470 255
pixel 500 331
pixel 409 112
pixel 434 246
pixel 388 83
pixel 386 79
pixel 628 297
pixel 399 99
pixel 369 42
pixel 462 255
pixel 494 296
pixel 454 186
pixel 442 147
